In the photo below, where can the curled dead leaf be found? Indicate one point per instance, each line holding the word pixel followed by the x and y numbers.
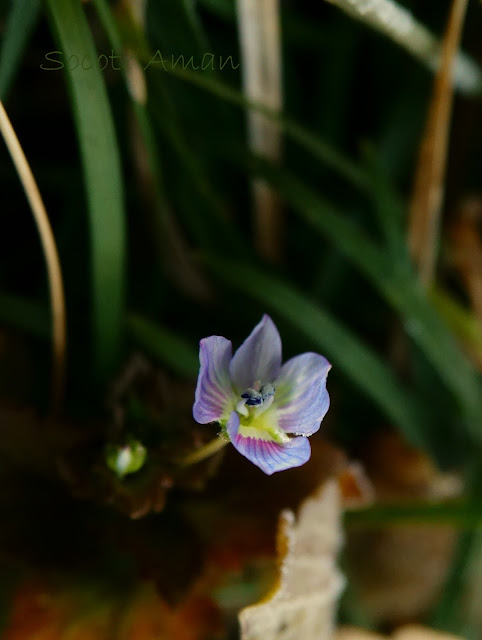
pixel 302 603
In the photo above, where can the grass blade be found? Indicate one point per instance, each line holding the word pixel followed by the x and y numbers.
pixel 307 139
pixel 171 246
pixel 103 182
pixel 20 24
pixel 397 285
pixel 464 324
pixel 176 27
pixel 460 514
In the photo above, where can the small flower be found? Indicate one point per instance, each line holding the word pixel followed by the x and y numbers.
pixel 266 409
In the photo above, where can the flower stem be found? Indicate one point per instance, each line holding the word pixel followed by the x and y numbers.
pixel 205 451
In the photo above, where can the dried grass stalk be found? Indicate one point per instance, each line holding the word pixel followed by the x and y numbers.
pixel 47 239
pixel 427 196
pixel 259 33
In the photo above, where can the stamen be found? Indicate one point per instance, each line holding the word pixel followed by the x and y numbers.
pixel 256 396
pixel 242 409
pixel 253 397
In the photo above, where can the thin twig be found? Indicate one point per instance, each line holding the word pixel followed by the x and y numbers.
pixel 427 196
pixel 57 300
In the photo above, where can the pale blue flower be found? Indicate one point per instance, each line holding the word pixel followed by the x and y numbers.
pixel 266 409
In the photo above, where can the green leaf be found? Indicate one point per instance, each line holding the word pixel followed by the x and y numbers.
pixel 345 351
pixel 20 23
pixel 165 346
pixel 103 181
pixel 398 285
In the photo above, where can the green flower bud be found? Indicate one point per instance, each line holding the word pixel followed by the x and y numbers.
pixel 126 459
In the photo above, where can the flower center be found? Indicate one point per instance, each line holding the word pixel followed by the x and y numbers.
pixel 256 399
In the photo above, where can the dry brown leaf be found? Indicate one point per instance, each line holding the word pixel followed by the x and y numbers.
pixel 303 602
pixel 401 576
pixel 46 611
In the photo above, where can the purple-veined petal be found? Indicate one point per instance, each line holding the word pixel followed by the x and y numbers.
pixel 259 357
pixel 269 456
pixel 301 396
pixel 214 392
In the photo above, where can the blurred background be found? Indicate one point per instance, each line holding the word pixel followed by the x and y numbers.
pixel 202 162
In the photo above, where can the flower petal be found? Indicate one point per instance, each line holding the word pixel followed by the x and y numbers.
pixel 214 392
pixel 301 396
pixel 259 357
pixel 269 456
